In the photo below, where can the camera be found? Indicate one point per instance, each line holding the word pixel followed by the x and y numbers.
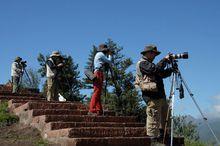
pixel 23 64
pixel 180 56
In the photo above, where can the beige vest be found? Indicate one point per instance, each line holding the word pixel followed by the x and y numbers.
pixel 50 72
pixel 145 83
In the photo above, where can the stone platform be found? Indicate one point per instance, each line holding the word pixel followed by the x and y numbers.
pixel 67 123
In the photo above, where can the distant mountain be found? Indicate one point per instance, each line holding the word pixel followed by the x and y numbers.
pixel 204 132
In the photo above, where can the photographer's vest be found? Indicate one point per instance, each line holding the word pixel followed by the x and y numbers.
pixel 16 69
pixel 51 73
pixel 146 82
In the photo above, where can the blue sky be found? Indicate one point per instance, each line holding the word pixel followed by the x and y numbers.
pixel 29 27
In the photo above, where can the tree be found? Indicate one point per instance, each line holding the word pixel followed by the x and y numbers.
pixel 186 128
pixel 90 66
pixel 69 82
pixel 32 80
pixel 129 102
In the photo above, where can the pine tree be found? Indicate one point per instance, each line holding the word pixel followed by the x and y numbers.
pixel 90 66
pixel 129 102
pixel 186 128
pixel 69 82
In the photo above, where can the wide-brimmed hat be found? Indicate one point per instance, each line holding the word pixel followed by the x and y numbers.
pixel 150 48
pixel 103 48
pixel 18 58
pixel 55 54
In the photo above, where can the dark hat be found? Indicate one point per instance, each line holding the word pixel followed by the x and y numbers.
pixel 103 48
pixel 18 59
pixel 150 48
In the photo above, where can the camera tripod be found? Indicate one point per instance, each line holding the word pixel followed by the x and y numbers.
pixel 113 76
pixel 24 71
pixel 178 82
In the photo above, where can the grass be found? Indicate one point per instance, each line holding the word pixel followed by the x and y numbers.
pixel 5 116
pixel 7 119
pixel 41 142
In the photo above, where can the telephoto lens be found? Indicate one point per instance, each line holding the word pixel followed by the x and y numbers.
pixel 180 56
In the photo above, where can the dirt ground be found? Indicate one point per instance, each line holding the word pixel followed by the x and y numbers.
pixel 19 135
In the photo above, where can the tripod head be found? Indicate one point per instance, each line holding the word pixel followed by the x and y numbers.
pixel 177 82
pixel 23 64
pixel 174 65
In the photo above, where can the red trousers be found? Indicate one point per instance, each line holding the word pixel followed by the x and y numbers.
pixel 95 103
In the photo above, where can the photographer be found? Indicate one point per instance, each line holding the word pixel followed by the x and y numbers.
pixel 102 57
pixel 16 73
pixel 150 79
pixel 53 65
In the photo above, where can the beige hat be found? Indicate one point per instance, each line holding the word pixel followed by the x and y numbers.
pixel 55 53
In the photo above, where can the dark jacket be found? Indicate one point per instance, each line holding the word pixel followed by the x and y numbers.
pixel 158 70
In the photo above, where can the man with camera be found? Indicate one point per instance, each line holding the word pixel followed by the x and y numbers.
pixel 102 57
pixel 16 73
pixel 53 66
pixel 149 78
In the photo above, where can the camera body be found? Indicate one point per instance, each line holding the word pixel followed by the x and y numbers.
pixel 23 64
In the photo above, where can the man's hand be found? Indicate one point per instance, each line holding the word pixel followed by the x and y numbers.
pixel 60 65
pixel 167 57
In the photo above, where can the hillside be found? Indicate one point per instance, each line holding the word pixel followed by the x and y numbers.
pixel 204 132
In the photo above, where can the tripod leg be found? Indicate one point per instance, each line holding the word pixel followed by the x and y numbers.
pixel 170 109
pixel 106 84
pixel 28 77
pixel 166 124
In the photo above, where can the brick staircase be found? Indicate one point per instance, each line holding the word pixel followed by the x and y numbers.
pixel 68 124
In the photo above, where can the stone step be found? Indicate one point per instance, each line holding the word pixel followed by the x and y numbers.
pixel 15 103
pixel 104 141
pixel 63 125
pixel 98 132
pixel 39 112
pixel 13 106
pixel 21 98
pixel 9 94
pixel 83 118
pixel 7 88
pixel 25 100
pixel 49 105
pixel 112 141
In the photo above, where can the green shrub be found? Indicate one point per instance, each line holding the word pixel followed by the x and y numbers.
pixel 5 116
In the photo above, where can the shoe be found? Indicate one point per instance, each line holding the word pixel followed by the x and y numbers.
pixel 92 114
pixel 99 113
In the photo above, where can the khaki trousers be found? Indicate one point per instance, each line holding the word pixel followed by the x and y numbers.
pixel 156 116
pixel 15 84
pixel 52 89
